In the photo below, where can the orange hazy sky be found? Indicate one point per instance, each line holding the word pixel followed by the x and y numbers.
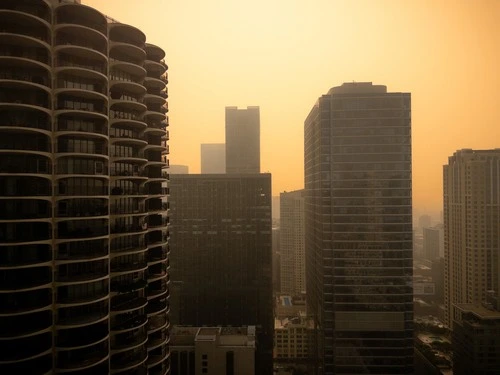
pixel 283 54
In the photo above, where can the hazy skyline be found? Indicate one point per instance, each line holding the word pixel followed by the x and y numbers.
pixel 282 55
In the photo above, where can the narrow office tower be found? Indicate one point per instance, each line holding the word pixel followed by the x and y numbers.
pixel 242 140
pixel 358 213
pixel 83 229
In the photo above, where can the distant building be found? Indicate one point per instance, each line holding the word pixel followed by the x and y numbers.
pixel 288 306
pixel 276 261
pixel 424 221
pixel 212 350
pixel 221 254
pixel 472 228
pixel 292 227
pixel 178 169
pixel 242 140
pixel 276 207
pixel 294 339
pixel 433 242
pixel 476 340
pixel 213 158
pixel 357 157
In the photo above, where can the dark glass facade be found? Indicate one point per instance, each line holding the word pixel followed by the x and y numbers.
pixel 221 254
pixel 359 230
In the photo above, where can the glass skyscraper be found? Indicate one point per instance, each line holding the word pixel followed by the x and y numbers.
pixel 358 213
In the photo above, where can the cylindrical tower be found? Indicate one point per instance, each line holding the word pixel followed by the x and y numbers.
pixel 157 237
pixel 83 212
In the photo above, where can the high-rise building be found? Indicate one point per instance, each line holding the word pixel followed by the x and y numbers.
pixel 476 340
pixel 221 267
pixel 471 228
pixel 213 158
pixel 358 214
pixel 424 221
pixel 433 242
pixel 292 256
pixel 83 230
pixel 242 140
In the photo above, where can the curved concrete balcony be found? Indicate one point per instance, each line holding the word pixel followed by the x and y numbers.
pixel 128 140
pixel 81 359
pixel 126 52
pixel 73 338
pixel 157 322
pixel 79 52
pixel 157 356
pixel 95 80
pixel 127 245
pixel 80 36
pixel 155 307
pixel 118 269
pixel 158 339
pixel 127 120
pixel 154 84
pixel 128 286
pixel 24 48
pixel 128 360
pixel 16 351
pixel 155 99
pixel 79 14
pixel 37 9
pixel 121 304
pixel 16 256
pixel 19 93
pixel 83 315
pixel 18 118
pixel 154 52
pixel 121 32
pixel 66 299
pixel 43 363
pixel 25 279
pixel 32 74
pixel 125 104
pixel 128 322
pixel 128 340
pixel 26 325
pixel 161 369
pixel 123 70
pixel 19 303
pixel 155 68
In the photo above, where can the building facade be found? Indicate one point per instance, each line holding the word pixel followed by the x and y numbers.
pixel 433 242
pixel 358 213
pixel 83 229
pixel 471 228
pixel 213 158
pixel 213 350
pixel 294 340
pixel 221 265
pixel 242 140
pixel 476 340
pixel 292 256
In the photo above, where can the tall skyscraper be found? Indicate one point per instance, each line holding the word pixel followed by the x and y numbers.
pixel 242 140
pixel 83 231
pixel 471 228
pixel 433 242
pixel 213 158
pixel 221 254
pixel 358 214
pixel 292 256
